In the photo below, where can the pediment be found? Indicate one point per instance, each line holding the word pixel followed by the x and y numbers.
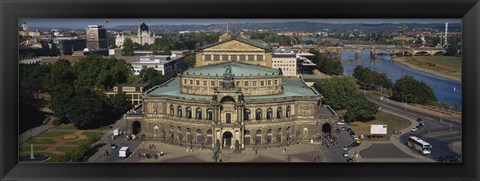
pixel 233 45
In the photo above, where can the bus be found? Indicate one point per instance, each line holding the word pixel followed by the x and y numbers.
pixel 419 145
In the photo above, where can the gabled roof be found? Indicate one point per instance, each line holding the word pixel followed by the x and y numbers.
pixel 246 41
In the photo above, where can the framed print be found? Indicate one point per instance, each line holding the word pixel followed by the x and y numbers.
pixel 239 90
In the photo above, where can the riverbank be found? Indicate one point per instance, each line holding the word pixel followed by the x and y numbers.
pixel 442 66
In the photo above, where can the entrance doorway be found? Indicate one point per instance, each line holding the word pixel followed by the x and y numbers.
pixel 327 128
pixel 227 139
pixel 136 127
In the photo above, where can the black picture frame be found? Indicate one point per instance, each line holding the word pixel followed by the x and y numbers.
pixel 467 10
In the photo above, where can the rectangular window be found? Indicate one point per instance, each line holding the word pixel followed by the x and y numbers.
pixel 242 57
pixel 216 57
pixel 184 81
pixel 234 57
pixel 204 83
pixel 251 57
pixel 212 83
pixel 197 82
pixel 269 82
pixel 262 83
pixel 208 57
pixel 191 82
pixel 276 82
pixel 254 83
pixel 245 83
pixel 135 96
pixel 224 57
pixel 237 83
pixel 259 57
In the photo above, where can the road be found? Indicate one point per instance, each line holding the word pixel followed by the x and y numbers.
pixel 437 131
pixel 106 140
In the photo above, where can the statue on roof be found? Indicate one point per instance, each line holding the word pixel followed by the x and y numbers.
pixel 228 75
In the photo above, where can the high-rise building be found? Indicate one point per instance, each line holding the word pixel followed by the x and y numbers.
pixel 96 39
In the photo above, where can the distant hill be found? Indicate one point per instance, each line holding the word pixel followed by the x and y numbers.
pixel 291 26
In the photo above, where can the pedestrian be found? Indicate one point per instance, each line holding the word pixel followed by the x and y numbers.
pixel 256 151
pixel 138 155
pixel 318 157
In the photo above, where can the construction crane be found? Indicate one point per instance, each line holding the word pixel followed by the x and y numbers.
pixel 403 28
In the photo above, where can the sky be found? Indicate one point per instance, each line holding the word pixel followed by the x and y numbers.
pixel 83 23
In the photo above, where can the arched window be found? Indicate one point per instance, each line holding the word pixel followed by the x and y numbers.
pixel 258 114
pixel 198 113
pixel 246 115
pixel 172 111
pixel 269 136
pixel 279 113
pixel 258 137
pixel 247 137
pixel 209 114
pixel 188 113
pixel 279 135
pixel 179 111
pixel 269 113
pixel 287 112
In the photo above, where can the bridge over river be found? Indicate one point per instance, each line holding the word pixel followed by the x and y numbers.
pixel 375 50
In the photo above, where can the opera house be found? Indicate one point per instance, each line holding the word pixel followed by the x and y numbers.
pixel 232 98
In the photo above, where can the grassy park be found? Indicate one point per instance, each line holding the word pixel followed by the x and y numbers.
pixel 61 145
pixel 444 66
pixel 393 123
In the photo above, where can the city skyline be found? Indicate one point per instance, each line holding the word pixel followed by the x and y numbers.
pixel 76 23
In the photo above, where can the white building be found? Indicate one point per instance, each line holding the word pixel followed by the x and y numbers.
pixel 144 36
pixel 286 61
pixel 162 63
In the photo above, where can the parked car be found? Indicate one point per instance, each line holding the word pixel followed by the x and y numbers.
pixel 414 129
pixel 113 145
pixel 346 147
pixel 448 158
pixel 349 160
pixel 343 128
pixel 354 144
pixel 345 154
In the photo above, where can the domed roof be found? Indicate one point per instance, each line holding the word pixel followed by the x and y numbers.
pixel 143 27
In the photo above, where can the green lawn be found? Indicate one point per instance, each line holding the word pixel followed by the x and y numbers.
pixel 41 141
pixel 77 142
pixel 393 123
pixel 66 149
pixel 452 61
pixel 54 157
pixel 35 148
pixel 91 134
pixel 55 133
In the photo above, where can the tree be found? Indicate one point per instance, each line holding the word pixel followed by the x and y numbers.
pixel 127 49
pixel 369 80
pixel 60 85
pixel 409 90
pixel 85 109
pixel 120 103
pixel 150 75
pixel 96 71
pixel 326 64
pixel 337 91
pixel 360 108
pixel 451 51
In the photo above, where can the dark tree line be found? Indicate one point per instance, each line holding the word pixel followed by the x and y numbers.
pixel 326 64
pixel 409 90
pixel 371 80
pixel 342 93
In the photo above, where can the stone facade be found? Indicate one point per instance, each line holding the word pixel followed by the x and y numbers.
pixel 191 110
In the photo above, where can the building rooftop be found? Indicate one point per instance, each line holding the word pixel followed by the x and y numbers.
pixel 238 69
pixel 243 40
pixel 292 87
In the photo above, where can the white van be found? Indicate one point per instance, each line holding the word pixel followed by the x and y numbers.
pixel 124 152
pixel 117 132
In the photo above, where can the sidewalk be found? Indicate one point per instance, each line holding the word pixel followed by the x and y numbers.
pixel 395 140
pixel 33 132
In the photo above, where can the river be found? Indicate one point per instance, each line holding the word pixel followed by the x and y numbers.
pixel 446 91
